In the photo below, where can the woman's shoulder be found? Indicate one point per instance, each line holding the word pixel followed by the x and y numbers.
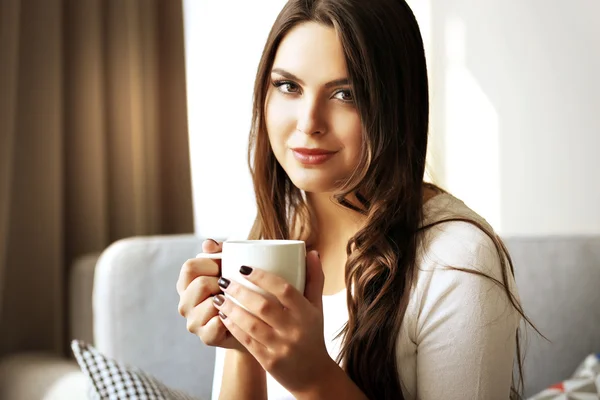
pixel 445 206
pixel 455 235
pixel 456 257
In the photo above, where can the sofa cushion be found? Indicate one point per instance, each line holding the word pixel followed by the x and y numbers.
pixel 584 384
pixel 558 280
pixel 111 380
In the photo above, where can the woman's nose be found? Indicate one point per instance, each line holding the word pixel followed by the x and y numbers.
pixel 311 120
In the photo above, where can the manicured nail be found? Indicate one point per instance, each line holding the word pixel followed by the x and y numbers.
pixel 223 316
pixel 219 300
pixel 223 283
pixel 245 270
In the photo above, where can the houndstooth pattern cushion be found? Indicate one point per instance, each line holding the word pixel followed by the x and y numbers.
pixel 112 381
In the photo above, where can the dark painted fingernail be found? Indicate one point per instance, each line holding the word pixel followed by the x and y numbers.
pixel 245 270
pixel 219 300
pixel 223 283
pixel 223 316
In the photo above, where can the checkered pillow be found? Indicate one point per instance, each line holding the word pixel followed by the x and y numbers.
pixel 110 380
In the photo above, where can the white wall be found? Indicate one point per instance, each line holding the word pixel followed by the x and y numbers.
pixel 515 88
pixel 224 42
pixel 516 93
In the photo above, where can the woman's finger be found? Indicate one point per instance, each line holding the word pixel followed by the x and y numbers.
pixel 314 279
pixel 285 292
pixel 194 268
pixel 198 291
pixel 212 246
pixel 200 315
pixel 254 327
pixel 213 333
pixel 267 308
pixel 257 349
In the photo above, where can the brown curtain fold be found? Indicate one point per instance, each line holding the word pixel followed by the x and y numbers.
pixel 94 146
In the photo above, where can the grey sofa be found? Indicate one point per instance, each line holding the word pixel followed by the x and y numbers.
pixel 135 317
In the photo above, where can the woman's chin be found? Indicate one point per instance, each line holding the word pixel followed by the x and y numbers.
pixel 311 185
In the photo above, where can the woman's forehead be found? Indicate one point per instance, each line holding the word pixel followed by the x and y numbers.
pixel 313 53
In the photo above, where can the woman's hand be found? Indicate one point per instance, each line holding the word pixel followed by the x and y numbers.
pixel 284 332
pixel 197 284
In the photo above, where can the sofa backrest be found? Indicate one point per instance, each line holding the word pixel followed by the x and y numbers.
pixel 136 319
pixel 559 283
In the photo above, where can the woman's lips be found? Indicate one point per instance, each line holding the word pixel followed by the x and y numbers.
pixel 312 156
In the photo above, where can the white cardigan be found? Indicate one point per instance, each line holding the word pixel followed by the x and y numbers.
pixel 457 339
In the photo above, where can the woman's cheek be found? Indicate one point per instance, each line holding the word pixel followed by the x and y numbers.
pixel 279 111
pixel 280 121
pixel 349 131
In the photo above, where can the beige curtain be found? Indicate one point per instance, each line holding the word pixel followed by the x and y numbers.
pixel 93 146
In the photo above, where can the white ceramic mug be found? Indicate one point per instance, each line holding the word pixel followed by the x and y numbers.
pixel 285 258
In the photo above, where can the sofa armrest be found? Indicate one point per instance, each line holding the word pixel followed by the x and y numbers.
pixel 35 376
pixel 38 376
pixel 136 321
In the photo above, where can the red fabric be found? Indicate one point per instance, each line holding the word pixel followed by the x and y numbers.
pixel 558 386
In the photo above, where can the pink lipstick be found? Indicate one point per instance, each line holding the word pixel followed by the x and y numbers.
pixel 312 156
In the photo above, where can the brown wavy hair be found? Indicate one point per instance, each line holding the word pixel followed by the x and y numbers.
pixel 386 64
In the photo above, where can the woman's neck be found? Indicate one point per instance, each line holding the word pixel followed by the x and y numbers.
pixel 332 220
pixel 332 227
pixel 333 224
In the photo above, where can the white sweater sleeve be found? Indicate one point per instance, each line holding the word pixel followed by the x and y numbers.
pixel 465 325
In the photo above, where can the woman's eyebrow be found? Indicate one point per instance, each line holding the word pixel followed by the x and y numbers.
pixel 338 82
pixel 289 75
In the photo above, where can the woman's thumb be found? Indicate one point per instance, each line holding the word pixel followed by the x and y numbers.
pixel 315 279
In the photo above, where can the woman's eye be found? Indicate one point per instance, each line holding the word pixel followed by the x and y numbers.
pixel 286 86
pixel 345 96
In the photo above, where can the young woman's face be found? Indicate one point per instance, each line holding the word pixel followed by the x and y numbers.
pixel 312 122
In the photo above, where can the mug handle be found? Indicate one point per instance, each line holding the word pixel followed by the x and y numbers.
pixel 210 256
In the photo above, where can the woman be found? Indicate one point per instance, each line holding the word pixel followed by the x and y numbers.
pixel 410 294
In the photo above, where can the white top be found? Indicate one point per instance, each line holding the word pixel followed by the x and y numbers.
pixel 457 339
